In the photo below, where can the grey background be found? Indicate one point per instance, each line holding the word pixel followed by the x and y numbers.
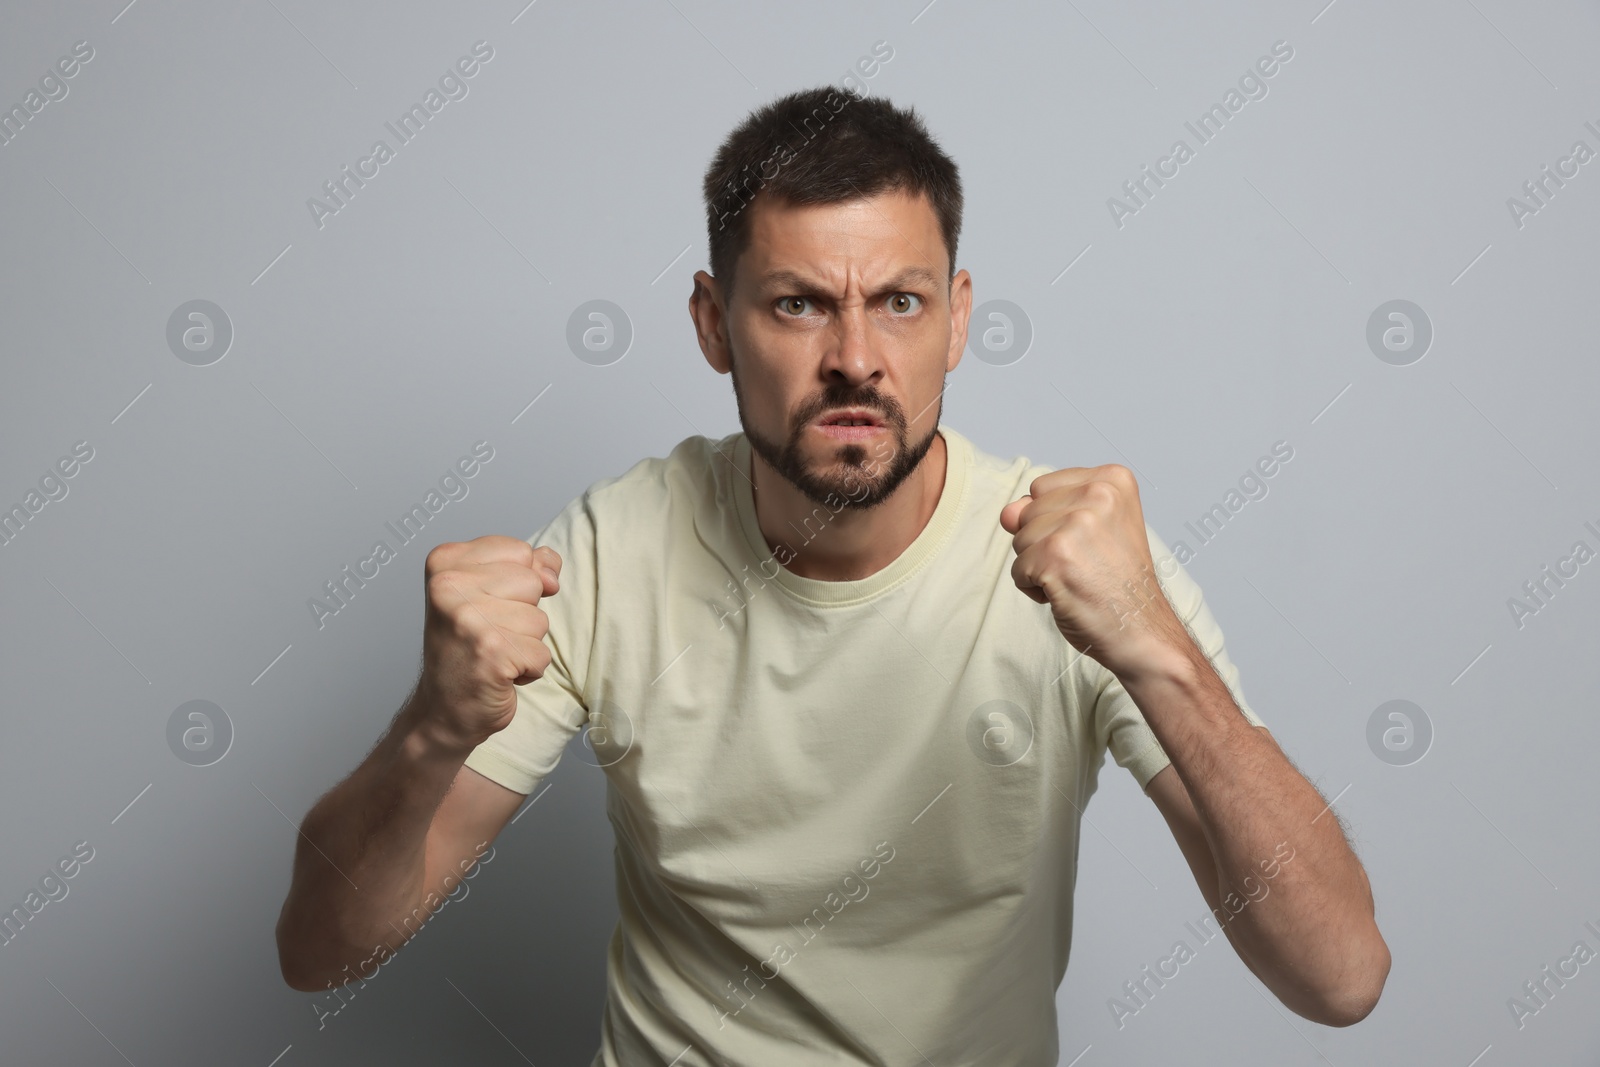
pixel 1228 314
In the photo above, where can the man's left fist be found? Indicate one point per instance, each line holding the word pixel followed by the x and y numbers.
pixel 1082 548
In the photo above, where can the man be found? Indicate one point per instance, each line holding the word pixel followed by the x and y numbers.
pixel 851 679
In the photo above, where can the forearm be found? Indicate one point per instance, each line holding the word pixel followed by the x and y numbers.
pixel 1308 931
pixel 361 855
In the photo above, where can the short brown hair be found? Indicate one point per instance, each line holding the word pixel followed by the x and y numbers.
pixel 848 147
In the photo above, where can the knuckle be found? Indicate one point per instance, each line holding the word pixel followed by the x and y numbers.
pixel 1120 475
pixel 440 586
pixel 1072 523
pixel 532 661
pixel 1101 493
pixel 488 643
pixel 440 556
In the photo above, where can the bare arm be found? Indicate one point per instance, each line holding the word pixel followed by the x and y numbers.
pixel 382 849
pixel 1265 849
pixel 408 822
pixel 1232 796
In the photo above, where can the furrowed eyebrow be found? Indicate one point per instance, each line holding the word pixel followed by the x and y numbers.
pixel 788 279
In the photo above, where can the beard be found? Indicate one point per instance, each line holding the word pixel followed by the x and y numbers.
pixel 852 475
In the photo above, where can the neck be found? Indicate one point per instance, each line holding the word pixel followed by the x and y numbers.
pixel 852 544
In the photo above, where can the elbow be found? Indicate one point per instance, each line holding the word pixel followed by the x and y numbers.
pixel 1348 1011
pixel 301 976
pixel 302 984
pixel 295 974
pixel 1356 999
pixel 298 971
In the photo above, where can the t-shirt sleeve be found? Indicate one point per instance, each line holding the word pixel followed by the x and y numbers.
pixel 1118 722
pixel 551 708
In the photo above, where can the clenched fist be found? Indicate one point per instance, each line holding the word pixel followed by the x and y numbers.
pixel 1082 548
pixel 484 633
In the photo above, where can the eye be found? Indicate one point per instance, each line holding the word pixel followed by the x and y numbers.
pixel 794 306
pixel 904 303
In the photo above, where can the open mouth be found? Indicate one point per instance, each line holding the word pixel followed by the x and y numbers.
pixel 851 417
pixel 850 424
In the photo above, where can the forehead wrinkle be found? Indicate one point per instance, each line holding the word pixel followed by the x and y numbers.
pixel 833 234
pixel 803 281
pixel 867 202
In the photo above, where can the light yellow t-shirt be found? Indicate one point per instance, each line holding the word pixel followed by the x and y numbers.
pixel 846 812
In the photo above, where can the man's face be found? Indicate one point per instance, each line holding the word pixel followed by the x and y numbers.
pixel 841 306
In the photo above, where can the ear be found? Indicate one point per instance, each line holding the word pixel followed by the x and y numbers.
pixel 960 313
pixel 710 321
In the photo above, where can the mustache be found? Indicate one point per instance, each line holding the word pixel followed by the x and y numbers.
pixel 869 400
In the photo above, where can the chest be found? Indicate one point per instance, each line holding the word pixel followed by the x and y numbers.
pixel 755 763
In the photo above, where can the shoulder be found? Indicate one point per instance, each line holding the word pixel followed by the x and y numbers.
pixel 623 512
pixel 1016 472
pixel 617 516
pixel 691 465
pixel 1003 476
pixel 1010 478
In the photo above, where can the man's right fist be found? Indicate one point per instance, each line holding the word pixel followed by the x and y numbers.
pixel 484 633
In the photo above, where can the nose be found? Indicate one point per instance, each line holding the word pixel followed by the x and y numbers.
pixel 852 354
